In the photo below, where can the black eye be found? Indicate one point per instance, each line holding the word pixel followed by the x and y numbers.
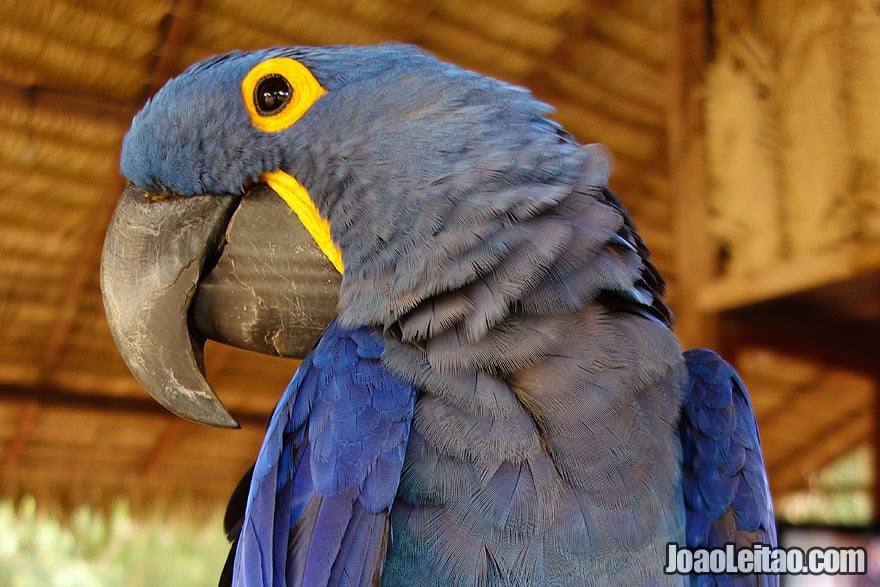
pixel 272 94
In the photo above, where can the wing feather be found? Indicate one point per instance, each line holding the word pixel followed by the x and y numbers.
pixel 328 471
pixel 727 495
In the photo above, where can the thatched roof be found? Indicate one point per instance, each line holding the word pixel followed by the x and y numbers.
pixel 74 422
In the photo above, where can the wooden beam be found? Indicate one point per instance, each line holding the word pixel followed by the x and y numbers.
pixel 83 272
pixel 58 397
pixel 687 168
pixel 846 262
pixel 219 484
pixel 416 16
pixel 836 439
pixel 575 28
pixel 176 29
pixel 808 340
pixel 153 462
pixel 80 279
pixel 216 360
pixel 633 35
pixel 566 84
pixel 770 418
pixel 30 411
pixel 58 101
pixel 640 144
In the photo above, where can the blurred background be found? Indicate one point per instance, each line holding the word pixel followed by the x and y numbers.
pixel 746 140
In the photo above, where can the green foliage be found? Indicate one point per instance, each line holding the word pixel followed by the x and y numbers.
pixel 93 549
pixel 838 494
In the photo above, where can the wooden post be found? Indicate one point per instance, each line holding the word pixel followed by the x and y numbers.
pixel 692 250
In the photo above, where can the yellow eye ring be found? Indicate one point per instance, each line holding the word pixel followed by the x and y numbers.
pixel 265 85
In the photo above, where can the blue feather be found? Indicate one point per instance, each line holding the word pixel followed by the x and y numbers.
pixel 727 496
pixel 328 470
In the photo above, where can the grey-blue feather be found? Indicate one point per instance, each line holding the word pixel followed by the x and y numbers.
pixel 516 293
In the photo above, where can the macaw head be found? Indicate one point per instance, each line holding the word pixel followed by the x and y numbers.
pixel 382 164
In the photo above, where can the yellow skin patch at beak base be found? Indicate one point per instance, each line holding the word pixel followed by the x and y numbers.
pixel 297 197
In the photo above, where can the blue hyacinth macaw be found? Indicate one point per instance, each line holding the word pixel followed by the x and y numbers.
pixel 497 397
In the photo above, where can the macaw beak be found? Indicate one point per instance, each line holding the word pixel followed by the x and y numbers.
pixel 241 270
